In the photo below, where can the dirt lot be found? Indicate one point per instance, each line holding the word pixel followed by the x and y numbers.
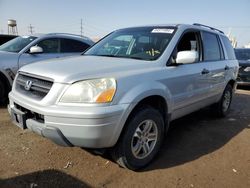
pixel 200 151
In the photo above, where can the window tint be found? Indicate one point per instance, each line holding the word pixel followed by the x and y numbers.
pixel 229 48
pixel 68 45
pixel 211 48
pixel 49 45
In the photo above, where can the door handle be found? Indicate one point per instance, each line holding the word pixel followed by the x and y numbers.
pixel 226 67
pixel 205 71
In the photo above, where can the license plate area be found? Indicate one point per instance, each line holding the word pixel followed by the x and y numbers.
pixel 19 118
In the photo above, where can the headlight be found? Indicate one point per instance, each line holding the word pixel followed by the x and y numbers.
pixel 90 91
pixel 247 69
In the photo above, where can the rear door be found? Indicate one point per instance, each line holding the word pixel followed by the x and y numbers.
pixel 213 57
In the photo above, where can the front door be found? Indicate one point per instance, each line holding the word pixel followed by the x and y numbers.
pixel 51 49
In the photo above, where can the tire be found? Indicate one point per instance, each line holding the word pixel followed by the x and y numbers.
pixel 3 93
pixel 141 139
pixel 221 108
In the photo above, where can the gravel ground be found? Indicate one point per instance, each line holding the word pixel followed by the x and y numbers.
pixel 199 151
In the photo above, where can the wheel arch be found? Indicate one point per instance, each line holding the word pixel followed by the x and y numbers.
pixel 156 101
pixel 233 84
pixel 6 81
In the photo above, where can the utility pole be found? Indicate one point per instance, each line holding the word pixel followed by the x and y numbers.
pixel 81 29
pixel 30 27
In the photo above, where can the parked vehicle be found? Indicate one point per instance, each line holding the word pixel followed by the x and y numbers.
pixel 6 38
pixel 28 49
pixel 122 93
pixel 243 56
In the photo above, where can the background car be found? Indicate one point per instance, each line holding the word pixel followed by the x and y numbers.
pixel 243 56
pixel 28 49
pixel 6 38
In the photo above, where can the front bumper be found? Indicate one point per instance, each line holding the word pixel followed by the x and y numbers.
pixel 88 126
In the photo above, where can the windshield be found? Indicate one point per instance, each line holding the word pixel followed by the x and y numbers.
pixel 242 54
pixel 17 44
pixel 146 43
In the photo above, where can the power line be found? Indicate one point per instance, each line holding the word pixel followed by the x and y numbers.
pixel 30 27
pixel 81 29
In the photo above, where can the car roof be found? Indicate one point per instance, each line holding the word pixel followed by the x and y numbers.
pixel 184 26
pixel 63 35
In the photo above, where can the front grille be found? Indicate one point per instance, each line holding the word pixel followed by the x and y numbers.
pixel 33 86
pixel 30 114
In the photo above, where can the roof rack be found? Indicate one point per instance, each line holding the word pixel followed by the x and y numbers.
pixel 212 28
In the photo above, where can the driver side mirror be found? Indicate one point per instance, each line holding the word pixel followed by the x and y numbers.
pixel 184 57
pixel 36 50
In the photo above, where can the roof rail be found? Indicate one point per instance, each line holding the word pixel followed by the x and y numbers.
pixel 70 34
pixel 212 28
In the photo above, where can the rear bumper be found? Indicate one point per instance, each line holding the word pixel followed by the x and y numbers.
pixel 243 78
pixel 242 83
pixel 90 127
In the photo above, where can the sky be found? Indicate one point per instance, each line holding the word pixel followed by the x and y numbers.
pixel 99 17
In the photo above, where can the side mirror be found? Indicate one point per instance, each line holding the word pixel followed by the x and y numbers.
pixel 36 50
pixel 184 57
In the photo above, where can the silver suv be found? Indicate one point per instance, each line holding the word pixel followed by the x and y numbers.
pixel 123 92
pixel 28 49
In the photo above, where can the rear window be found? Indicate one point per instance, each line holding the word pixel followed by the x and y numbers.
pixel 242 54
pixel 229 48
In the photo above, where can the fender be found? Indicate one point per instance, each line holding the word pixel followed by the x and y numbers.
pixel 147 89
pixel 137 94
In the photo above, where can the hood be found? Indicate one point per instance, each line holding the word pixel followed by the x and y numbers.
pixel 71 69
pixel 244 63
pixel 8 59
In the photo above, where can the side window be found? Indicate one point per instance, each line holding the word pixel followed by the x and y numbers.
pixel 211 48
pixel 68 45
pixel 50 45
pixel 188 44
pixel 229 48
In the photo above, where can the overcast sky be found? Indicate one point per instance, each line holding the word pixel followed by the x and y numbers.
pixel 102 16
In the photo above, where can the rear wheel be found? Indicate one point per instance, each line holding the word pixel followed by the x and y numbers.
pixel 141 139
pixel 221 108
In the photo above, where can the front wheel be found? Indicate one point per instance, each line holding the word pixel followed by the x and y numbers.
pixel 221 108
pixel 140 140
